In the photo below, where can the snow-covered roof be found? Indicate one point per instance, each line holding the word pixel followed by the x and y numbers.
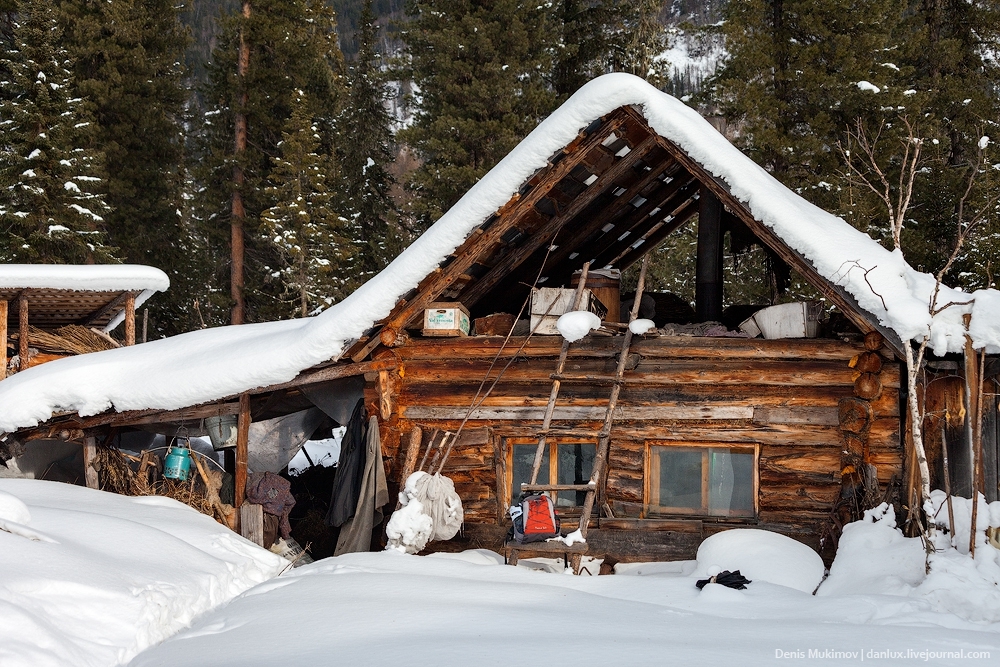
pixel 89 277
pixel 146 280
pixel 207 365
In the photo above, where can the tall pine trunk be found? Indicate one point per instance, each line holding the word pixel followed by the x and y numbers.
pixel 238 211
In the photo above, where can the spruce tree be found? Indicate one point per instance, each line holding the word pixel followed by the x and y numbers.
pixel 127 59
pixel 317 258
pixel 801 72
pixel 52 207
pixel 292 48
pixel 365 148
pixel 481 69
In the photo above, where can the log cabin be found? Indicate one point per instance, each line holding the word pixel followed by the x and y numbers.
pixel 708 432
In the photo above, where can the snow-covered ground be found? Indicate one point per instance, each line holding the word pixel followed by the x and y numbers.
pixel 91 578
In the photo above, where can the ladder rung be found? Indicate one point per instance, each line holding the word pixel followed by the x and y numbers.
pixel 575 432
pixel 558 487
pixel 569 377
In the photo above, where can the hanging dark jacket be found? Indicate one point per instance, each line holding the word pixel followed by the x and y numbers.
pixel 350 470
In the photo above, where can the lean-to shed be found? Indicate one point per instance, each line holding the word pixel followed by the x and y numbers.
pixel 710 432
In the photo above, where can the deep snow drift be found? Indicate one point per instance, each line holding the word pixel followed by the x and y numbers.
pixel 89 578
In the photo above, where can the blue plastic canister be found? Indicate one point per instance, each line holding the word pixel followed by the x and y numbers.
pixel 177 463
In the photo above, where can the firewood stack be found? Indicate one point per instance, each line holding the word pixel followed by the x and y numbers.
pixel 859 477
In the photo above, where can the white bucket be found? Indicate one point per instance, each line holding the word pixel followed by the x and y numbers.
pixel 786 320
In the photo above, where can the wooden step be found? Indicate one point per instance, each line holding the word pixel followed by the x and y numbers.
pixel 602 379
pixel 555 546
pixel 558 487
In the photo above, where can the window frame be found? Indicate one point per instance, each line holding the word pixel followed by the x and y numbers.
pixel 553 444
pixel 651 475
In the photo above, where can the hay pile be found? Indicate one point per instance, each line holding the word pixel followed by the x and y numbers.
pixel 200 491
pixel 70 339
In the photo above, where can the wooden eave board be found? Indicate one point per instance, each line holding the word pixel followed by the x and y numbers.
pixel 52 308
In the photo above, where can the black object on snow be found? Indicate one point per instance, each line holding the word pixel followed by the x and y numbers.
pixel 726 578
pixel 350 469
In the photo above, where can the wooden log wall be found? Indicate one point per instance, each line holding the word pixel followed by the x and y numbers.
pixel 785 398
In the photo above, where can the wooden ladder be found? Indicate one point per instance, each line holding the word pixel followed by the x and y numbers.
pixel 602 437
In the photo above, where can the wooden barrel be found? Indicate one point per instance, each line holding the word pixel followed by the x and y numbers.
pixel 606 286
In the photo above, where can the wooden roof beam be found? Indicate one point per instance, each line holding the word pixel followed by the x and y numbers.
pixel 109 309
pixel 679 219
pixel 594 224
pixel 836 294
pixel 544 234
pixel 668 211
pixel 507 217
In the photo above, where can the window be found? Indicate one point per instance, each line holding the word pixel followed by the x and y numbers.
pixel 702 480
pixel 562 463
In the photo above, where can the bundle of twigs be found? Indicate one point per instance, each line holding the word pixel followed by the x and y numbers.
pixel 70 339
pixel 200 491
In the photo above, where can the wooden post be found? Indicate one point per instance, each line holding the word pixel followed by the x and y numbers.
pixel 89 454
pixel 252 523
pixel 130 319
pixel 22 328
pixel 3 339
pixel 410 463
pixel 145 323
pixel 242 438
pixel 708 280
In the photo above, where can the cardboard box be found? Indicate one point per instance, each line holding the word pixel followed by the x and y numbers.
pixel 446 318
pixel 548 303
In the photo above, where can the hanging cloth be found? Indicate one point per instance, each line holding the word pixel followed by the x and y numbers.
pixel 356 533
pixel 350 468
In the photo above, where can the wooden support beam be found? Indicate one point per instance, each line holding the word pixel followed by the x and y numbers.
pixel 507 218
pixel 130 319
pixel 708 272
pixel 544 234
pixel 252 523
pixel 667 215
pixel 242 441
pixel 109 309
pixel 89 456
pixel 587 232
pixel 22 330
pixel 836 294
pixel 3 339
pixel 678 220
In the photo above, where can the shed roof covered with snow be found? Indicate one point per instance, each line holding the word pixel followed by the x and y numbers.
pixel 610 173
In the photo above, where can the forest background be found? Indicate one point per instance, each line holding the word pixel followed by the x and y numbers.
pixel 324 137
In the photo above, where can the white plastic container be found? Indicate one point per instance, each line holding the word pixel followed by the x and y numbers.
pixel 786 320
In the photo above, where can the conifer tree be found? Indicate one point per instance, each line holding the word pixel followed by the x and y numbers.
pixel 292 48
pixel 364 149
pixel 317 258
pixel 481 69
pixel 52 208
pixel 128 57
pixel 795 80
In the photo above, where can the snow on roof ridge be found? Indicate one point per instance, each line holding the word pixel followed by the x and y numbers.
pixel 210 364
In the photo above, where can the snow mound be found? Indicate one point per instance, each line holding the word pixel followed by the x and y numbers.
pixel 13 509
pixel 576 324
pixel 409 529
pixel 874 557
pixel 761 555
pixel 116 576
pixel 641 326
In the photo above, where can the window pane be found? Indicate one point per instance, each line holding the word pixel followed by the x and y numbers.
pixel 742 502
pixel 680 477
pixel 524 457
pixel 679 480
pixel 576 463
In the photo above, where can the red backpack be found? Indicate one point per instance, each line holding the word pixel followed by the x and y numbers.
pixel 535 520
